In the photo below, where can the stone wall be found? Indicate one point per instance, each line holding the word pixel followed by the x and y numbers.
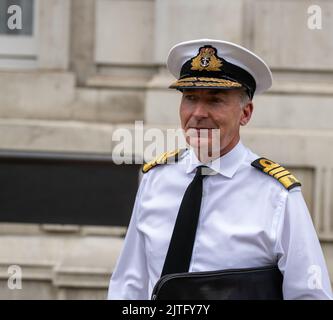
pixel 57 261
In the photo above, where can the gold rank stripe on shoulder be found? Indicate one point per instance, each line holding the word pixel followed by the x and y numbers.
pixel 170 156
pixel 276 171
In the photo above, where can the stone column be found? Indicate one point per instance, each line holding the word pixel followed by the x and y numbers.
pixel 54 34
pixel 82 33
pixel 176 21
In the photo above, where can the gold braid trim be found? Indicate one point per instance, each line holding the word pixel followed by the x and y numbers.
pixel 162 159
pixel 276 171
pixel 213 82
pixel 205 79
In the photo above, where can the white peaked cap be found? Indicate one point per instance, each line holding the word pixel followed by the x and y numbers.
pixel 232 54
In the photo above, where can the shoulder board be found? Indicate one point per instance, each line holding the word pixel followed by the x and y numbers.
pixel 276 171
pixel 165 157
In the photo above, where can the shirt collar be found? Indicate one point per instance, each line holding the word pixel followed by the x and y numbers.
pixel 226 165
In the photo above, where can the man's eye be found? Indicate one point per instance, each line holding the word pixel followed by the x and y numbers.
pixel 216 100
pixel 190 97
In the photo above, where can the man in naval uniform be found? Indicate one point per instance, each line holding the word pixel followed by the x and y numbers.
pixel 246 213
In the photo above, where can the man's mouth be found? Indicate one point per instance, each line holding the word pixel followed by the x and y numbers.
pixel 201 128
pixel 201 132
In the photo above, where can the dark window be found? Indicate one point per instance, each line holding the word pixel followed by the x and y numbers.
pixel 66 189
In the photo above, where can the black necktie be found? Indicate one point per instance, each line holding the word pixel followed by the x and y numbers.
pixel 180 249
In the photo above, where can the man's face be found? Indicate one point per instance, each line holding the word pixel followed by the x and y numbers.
pixel 203 110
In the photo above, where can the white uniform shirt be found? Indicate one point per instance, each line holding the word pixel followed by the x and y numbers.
pixel 247 219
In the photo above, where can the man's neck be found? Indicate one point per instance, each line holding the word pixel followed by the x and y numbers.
pixel 203 157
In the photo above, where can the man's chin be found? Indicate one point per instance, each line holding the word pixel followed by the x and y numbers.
pixel 200 143
pixel 203 150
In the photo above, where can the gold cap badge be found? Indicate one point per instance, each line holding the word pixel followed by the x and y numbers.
pixel 206 60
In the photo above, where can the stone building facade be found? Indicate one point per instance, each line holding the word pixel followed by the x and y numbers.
pixel 89 67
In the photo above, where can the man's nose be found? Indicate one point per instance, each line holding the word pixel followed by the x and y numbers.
pixel 200 110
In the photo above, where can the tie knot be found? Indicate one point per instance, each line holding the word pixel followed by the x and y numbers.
pixel 202 171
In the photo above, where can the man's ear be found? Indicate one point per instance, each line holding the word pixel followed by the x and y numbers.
pixel 246 113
